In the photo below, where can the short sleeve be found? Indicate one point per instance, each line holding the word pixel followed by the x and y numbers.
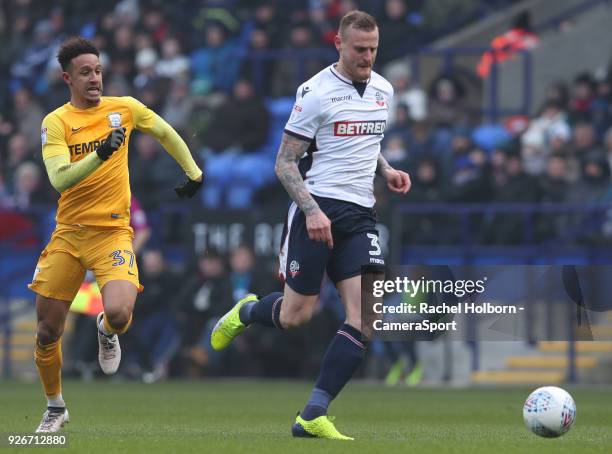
pixel 305 117
pixel 144 118
pixel 52 137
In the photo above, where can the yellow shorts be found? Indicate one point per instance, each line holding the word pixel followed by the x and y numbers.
pixel 74 249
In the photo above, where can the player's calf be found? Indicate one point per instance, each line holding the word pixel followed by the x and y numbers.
pixel 296 318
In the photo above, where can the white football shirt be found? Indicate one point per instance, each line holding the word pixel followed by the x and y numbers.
pixel 345 123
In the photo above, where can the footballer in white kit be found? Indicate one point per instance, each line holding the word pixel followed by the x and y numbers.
pixel 329 153
pixel 345 123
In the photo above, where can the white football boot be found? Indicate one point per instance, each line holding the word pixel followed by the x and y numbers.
pixel 52 421
pixel 109 350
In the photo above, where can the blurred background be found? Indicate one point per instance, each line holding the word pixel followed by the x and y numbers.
pixel 502 115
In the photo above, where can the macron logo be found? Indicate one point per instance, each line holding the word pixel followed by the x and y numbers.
pixel 359 128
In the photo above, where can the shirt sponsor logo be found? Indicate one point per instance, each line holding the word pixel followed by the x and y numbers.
pixel 83 148
pixel 335 99
pixel 359 128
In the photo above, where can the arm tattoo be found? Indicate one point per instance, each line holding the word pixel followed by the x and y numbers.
pixel 382 165
pixel 286 168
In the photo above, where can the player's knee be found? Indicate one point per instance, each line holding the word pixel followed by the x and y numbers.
pixel 47 333
pixel 118 318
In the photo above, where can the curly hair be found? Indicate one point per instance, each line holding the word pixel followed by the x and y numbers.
pixel 74 47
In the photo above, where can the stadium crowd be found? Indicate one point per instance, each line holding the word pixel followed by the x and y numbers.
pixel 205 66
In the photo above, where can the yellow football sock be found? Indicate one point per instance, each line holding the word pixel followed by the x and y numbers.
pixel 110 329
pixel 49 364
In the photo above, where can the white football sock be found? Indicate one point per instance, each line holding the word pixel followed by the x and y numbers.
pixel 102 329
pixel 56 401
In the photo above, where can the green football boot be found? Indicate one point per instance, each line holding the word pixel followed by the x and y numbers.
pixel 321 427
pixel 229 326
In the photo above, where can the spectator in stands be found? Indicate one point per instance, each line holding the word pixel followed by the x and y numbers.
pixel 401 124
pixel 519 187
pixel 29 64
pixel 396 152
pixel 173 64
pixel 421 142
pixel 594 186
pixel 555 187
pixel 214 66
pixel 155 24
pixel 546 133
pixel 55 87
pixel 471 178
pixel 323 20
pixel 18 152
pixel 426 187
pixel 241 123
pixel 150 172
pixel 28 117
pixel 583 94
pixel 179 105
pixel 146 61
pixel 123 52
pixel 601 107
pixel 245 276
pixel 447 107
pixel 288 73
pixel 557 92
pixel 584 143
pixel 555 183
pixel 396 32
pixel 205 295
pixel 459 148
pixel 259 71
pixel 406 93
pixel 154 331
pixel 266 17
pixel 28 188
pixel 427 184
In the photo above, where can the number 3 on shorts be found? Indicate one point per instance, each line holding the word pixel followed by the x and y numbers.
pixel 374 242
pixel 119 260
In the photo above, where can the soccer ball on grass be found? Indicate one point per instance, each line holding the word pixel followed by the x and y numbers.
pixel 549 411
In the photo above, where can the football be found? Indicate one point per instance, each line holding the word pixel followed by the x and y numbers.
pixel 549 411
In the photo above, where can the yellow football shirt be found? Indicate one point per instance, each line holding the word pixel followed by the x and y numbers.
pixel 103 197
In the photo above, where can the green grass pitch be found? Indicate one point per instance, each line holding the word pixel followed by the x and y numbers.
pixel 255 417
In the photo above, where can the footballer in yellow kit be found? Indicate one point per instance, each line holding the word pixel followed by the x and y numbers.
pixel 85 152
pixel 93 216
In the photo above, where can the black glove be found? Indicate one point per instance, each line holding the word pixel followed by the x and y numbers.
pixel 188 188
pixel 111 143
